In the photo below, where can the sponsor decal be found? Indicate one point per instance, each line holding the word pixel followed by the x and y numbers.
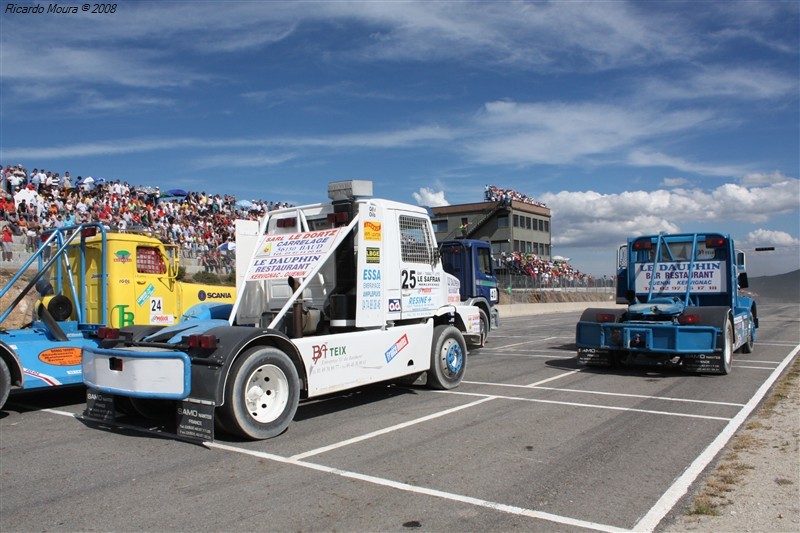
pixel 323 351
pixel 211 295
pixel 124 317
pixel 66 356
pixel 396 348
pixel 123 256
pixel 50 380
pixel 292 254
pixel 706 276
pixel 372 230
pixel 395 305
pixel 145 295
pixel 124 281
pixel 373 255
pixel 162 319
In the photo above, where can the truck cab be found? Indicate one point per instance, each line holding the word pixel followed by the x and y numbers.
pixel 334 296
pixel 470 262
pixel 684 306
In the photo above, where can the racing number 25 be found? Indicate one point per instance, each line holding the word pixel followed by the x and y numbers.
pixel 409 279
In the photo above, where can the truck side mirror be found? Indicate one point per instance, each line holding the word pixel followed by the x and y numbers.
pixel 743 283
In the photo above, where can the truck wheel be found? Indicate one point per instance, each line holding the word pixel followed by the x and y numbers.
pixel 727 348
pixel 484 328
pixel 747 347
pixel 5 383
pixel 261 395
pixel 448 358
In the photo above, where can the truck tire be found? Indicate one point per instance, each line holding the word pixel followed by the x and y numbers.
pixel 727 348
pixel 485 327
pixel 261 394
pixel 448 358
pixel 5 382
pixel 747 347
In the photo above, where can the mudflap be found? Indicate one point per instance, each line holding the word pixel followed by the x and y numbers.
pixel 703 363
pixel 595 357
pixel 193 421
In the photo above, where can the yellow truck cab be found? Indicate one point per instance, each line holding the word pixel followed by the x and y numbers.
pixel 89 279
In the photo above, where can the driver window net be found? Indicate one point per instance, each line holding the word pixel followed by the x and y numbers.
pixel 416 243
pixel 150 261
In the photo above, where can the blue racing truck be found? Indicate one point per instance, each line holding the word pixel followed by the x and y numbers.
pixel 470 262
pixel 684 306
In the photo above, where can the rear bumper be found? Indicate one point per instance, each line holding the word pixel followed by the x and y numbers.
pixel 647 337
pixel 139 373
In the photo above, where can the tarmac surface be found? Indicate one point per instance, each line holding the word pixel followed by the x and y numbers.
pixel 530 441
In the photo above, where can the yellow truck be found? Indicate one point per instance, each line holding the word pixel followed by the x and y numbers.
pixel 89 279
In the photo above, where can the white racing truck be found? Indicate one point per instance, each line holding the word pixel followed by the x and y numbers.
pixel 334 296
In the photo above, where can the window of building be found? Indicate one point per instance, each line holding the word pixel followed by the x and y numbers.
pixel 541 225
pixel 547 250
pixel 516 245
pixel 547 225
pixel 416 242
pixel 439 226
pixel 528 222
pixel 502 221
pixel 516 221
pixel 150 261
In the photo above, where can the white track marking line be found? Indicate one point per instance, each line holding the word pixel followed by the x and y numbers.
pixel 575 404
pixel 548 380
pixel 40 410
pixel 602 393
pixel 757 361
pixel 681 485
pixel 458 498
pixel 387 430
pixel 753 367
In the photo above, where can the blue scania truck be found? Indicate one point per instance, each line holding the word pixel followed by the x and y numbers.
pixel 685 307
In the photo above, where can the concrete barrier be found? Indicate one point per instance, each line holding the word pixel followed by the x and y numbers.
pixel 512 310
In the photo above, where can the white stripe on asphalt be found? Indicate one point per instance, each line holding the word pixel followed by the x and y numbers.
pixel 602 393
pixel 458 498
pixel 591 406
pixel 387 430
pixel 681 485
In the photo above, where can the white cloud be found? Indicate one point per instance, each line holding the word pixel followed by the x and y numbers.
pixel 674 182
pixel 644 158
pixel 558 132
pixel 765 237
pixel 591 218
pixel 429 198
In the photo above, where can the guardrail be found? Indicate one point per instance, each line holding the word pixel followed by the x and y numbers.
pixel 518 288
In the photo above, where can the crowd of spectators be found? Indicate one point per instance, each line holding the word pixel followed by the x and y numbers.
pixel 492 193
pixel 544 273
pixel 201 223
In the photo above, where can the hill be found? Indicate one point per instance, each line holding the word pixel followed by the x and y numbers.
pixel 783 288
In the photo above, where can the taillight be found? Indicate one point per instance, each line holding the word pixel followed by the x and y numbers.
pixel 107 333
pixel 286 222
pixel 605 317
pixel 207 342
pixel 642 244
pixel 715 242
pixel 89 232
pixel 689 320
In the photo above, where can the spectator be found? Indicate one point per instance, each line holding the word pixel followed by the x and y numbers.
pixel 7 241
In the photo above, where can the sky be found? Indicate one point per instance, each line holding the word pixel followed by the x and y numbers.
pixel 622 117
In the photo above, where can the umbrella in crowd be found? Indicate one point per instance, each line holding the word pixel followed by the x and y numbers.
pixel 177 192
pixel 246 204
pixel 226 246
